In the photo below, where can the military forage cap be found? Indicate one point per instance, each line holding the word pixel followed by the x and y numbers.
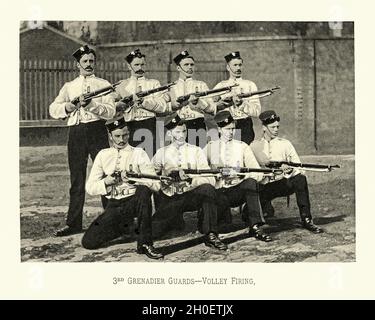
pixel 114 124
pixel 136 53
pixel 83 50
pixel 184 54
pixel 223 118
pixel 173 121
pixel 268 117
pixel 232 55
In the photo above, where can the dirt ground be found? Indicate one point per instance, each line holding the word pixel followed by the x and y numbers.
pixel 44 189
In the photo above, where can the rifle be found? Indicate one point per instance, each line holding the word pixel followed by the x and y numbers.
pixel 224 171
pixel 199 94
pixel 305 166
pixel 265 93
pixel 96 93
pixel 128 100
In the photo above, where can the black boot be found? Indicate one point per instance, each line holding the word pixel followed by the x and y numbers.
pixel 256 232
pixel 149 251
pixel 66 231
pixel 308 224
pixel 213 241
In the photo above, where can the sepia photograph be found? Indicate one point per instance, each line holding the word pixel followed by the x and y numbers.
pixel 187 141
pixel 187 151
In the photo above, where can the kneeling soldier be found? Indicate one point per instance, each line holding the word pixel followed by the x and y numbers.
pixel 272 148
pixel 234 188
pixel 186 194
pixel 129 203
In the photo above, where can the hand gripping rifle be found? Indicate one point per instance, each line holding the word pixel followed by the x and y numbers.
pixel 96 93
pixel 200 94
pixel 129 101
pixel 304 166
pixel 261 93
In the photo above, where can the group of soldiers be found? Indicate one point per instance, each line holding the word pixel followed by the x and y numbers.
pixel 138 189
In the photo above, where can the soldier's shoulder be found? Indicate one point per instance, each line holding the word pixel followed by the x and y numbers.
pixel 200 82
pixel 256 142
pixel 105 152
pixel 153 80
pixel 282 139
pixel 223 82
pixel 101 80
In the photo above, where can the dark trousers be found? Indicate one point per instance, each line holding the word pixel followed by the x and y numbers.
pixel 202 197
pixel 286 187
pixel 147 137
pixel 245 127
pixel 84 139
pixel 119 218
pixel 193 136
pixel 245 192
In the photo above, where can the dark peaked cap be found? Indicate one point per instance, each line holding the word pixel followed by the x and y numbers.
pixel 114 124
pixel 268 117
pixel 81 51
pixel 136 53
pixel 223 118
pixel 232 55
pixel 182 55
pixel 173 121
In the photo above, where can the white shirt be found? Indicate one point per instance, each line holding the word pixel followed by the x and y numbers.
pixel 277 149
pixel 155 103
pixel 250 107
pixel 110 160
pixel 99 108
pixel 186 156
pixel 204 105
pixel 232 153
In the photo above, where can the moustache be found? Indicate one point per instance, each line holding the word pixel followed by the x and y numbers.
pixel 89 69
pixel 140 72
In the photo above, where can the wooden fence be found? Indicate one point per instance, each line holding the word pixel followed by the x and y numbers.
pixel 41 80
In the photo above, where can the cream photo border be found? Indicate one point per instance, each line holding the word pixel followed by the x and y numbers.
pixel 272 280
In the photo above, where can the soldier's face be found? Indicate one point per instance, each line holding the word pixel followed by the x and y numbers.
pixel 235 68
pixel 227 132
pixel 187 66
pixel 120 137
pixel 86 64
pixel 272 130
pixel 138 67
pixel 179 134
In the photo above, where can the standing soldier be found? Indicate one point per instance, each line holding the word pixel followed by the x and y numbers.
pixel 241 109
pixel 193 109
pixel 142 115
pixel 87 132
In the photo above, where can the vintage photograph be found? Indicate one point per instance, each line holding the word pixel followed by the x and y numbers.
pixel 187 141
